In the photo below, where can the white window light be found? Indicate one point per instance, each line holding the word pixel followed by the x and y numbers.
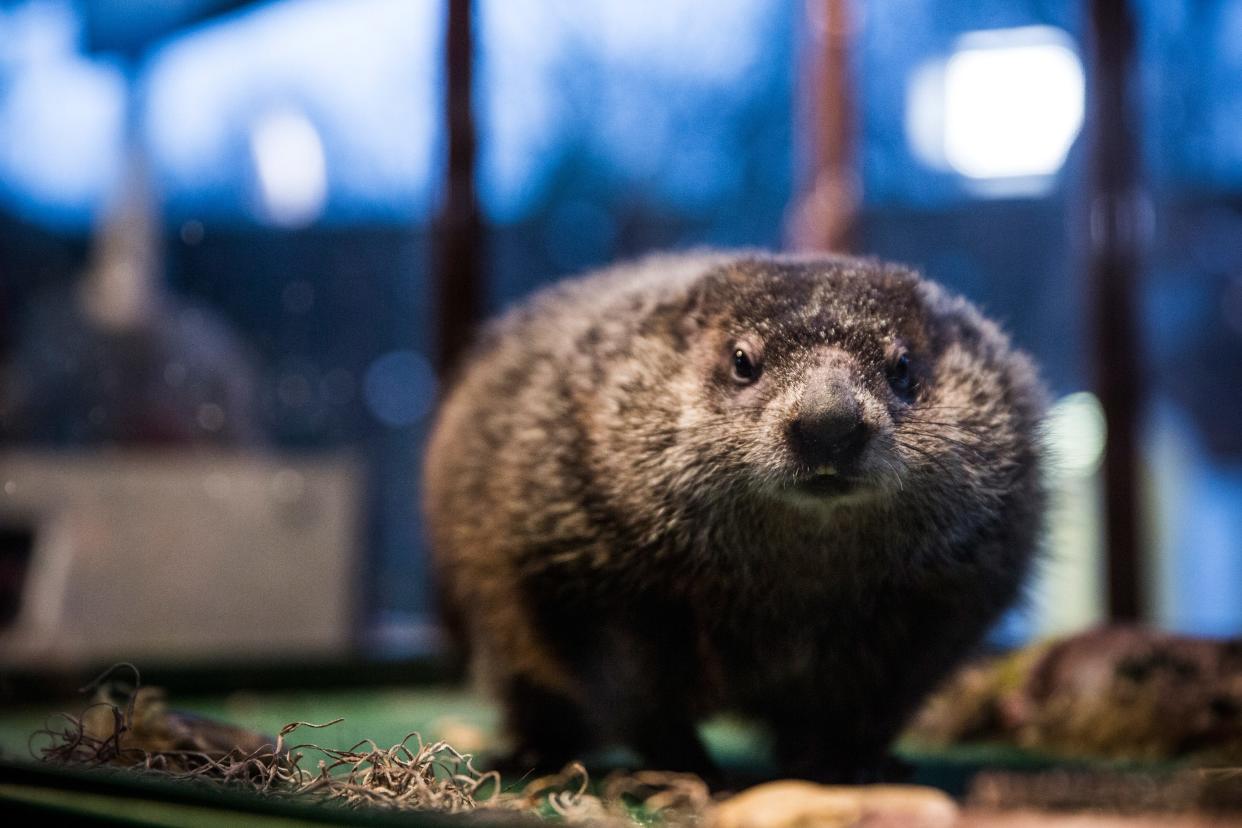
pixel 290 166
pixel 1006 105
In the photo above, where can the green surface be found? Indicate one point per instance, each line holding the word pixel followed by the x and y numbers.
pixel 112 796
pixel 384 716
pixel 129 811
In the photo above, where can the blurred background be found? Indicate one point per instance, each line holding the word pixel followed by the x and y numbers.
pixel 242 242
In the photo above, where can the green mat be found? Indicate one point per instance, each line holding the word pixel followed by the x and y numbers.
pixel 385 716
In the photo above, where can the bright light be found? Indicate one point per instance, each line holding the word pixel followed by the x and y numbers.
pixel 1006 104
pixel 61 123
pixel 1011 111
pixel 1077 431
pixel 368 72
pixel 289 161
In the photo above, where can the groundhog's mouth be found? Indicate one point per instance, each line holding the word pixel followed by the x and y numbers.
pixel 826 481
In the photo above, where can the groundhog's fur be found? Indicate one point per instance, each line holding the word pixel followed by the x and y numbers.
pixel 629 527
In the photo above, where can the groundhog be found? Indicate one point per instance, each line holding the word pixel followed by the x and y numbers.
pixel 798 489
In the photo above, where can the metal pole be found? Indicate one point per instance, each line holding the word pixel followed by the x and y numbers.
pixel 459 227
pixel 1117 210
pixel 824 215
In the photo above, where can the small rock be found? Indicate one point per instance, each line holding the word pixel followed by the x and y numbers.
pixel 795 804
pixel 910 806
pixel 789 804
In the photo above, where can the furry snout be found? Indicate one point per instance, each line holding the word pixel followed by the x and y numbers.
pixel 827 430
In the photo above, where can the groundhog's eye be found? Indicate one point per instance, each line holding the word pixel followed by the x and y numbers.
pixel 745 366
pixel 900 378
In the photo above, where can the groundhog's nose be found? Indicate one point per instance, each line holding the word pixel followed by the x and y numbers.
pixel 828 432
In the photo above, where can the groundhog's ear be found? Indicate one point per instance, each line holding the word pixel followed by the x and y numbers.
pixel 694 308
pixel 681 317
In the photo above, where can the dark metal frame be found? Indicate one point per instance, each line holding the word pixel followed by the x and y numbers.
pixel 1117 210
pixel 459 229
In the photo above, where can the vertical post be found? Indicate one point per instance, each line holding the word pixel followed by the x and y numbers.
pixel 121 288
pixel 459 291
pixel 1117 210
pixel 824 214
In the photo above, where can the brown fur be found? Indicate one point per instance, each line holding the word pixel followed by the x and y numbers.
pixel 623 528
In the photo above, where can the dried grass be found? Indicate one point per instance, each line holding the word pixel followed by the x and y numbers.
pixel 133 728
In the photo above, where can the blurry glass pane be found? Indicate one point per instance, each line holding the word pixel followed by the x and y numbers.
pixel 231 106
pixel 1191 76
pixel 615 127
pixel 911 72
pixel 61 117
pixel 294 151
pixel 324 116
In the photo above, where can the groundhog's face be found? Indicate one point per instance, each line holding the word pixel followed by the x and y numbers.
pixel 818 382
